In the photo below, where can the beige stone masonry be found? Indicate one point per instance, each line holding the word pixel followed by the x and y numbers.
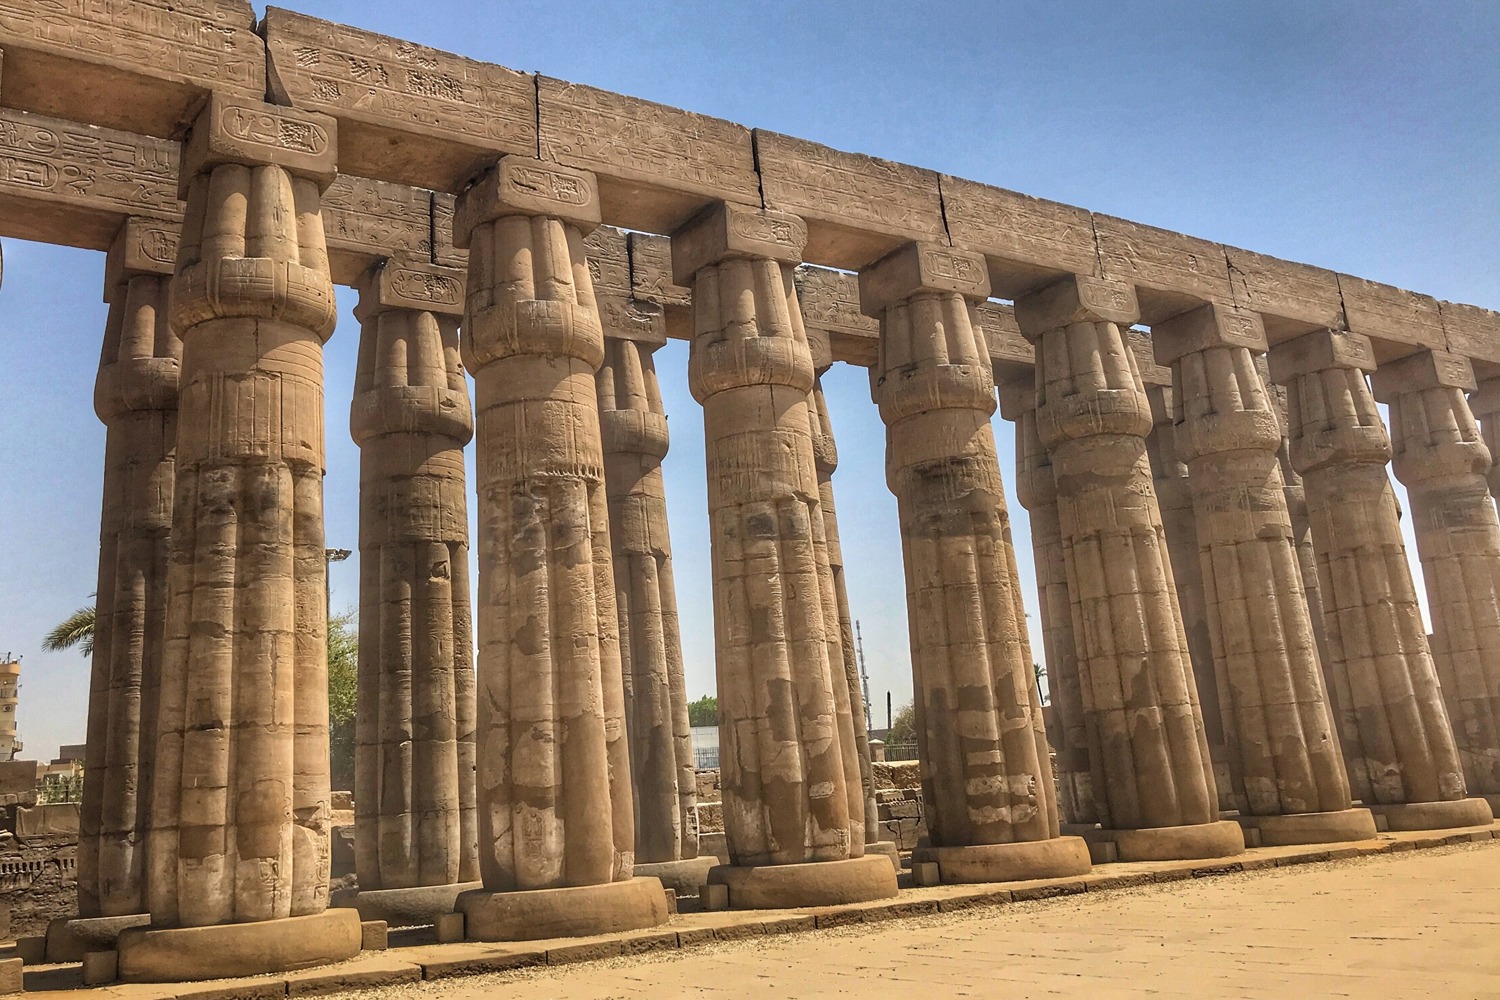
pixel 1170 271
pixel 1028 242
pixel 1386 313
pixel 1146 740
pixel 1397 742
pixel 1291 298
pixel 136 398
pixel 414 791
pixel 1277 726
pixel 986 774
pixel 555 803
pixel 1472 332
pixel 1441 457
pixel 1484 402
pixel 240 810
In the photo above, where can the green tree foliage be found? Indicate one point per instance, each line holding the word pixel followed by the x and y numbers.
pixel 704 711
pixel 903 725
pixel 343 695
pixel 75 630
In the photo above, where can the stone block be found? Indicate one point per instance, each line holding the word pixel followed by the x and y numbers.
pixel 651 280
pixel 681 878
pixel 407 113
pixel 243 130
pixel 926 873
pixel 1471 331
pixel 18 777
pixel 32 950
pixel 1170 271
pixel 522 185
pixel 407 284
pixel 371 972
pixel 182 954
pixel 573 911
pixel 366 221
pixel 449 928
pixel 142 246
pixel 12 976
pixel 1384 312
pixel 831 314
pixel 56 820
pixel 915 268
pixel 1423 370
pixel 1208 325
pixel 1009 351
pixel 100 967
pixel 858 208
pixel 1028 242
pixel 726 231
pixel 1291 298
pixel 374 935
pixel 1076 300
pixel 70 939
pixel 1323 349
pixel 714 896
pixel 657 165
pixel 584 951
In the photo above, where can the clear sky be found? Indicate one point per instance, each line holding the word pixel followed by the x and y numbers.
pixel 1356 136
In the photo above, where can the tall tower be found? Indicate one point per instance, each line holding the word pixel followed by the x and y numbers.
pixel 10 683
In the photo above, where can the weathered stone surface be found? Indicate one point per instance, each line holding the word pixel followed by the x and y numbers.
pixel 572 911
pixel 1291 298
pixel 1387 313
pixel 725 231
pixel 240 806
pixel 778 887
pixel 858 208
pixel 71 940
pixel 247 132
pixel 409 113
pixel 1441 457
pixel 658 165
pixel 414 796
pixel 415 906
pixel 1058 857
pixel 367 221
pixel 1313 828
pixel 1181 843
pixel 1471 331
pixel 1171 272
pixel 1029 242
pixel 139 65
pixel 830 311
pixel 1397 743
pixel 523 186
pixel 182 954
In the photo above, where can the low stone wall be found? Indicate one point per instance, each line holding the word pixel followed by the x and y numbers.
pixel 898 800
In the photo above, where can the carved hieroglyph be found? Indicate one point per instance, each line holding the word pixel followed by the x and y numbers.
pixel 240 806
pixel 415 821
pixel 1278 729
pixel 986 772
pixel 634 427
pixel 1397 743
pixel 1140 706
pixel 786 740
pixel 1442 459
pixel 555 803
pixel 136 398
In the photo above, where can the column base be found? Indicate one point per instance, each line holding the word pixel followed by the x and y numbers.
pixel 1016 862
pixel 686 877
pixel 570 911
pixel 1337 827
pixel 1434 815
pixel 885 849
pixel 1201 841
pixel 1494 801
pixel 70 938
pixel 812 883
pixel 228 951
pixel 415 906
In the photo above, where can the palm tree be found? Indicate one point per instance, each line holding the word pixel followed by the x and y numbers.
pixel 75 630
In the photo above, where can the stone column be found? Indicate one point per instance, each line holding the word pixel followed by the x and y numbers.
pixel 1399 750
pixel 556 814
pixel 1278 729
pixel 1442 459
pixel 986 779
pixel 1485 404
pixel 136 398
pixel 1036 488
pixel 1140 705
pixel 416 839
pixel 793 823
pixel 239 828
pixel 635 438
pixel 1169 474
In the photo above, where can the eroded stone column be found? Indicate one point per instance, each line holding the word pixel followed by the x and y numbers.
pixel 556 814
pixel 635 437
pixel 792 822
pixel 1442 459
pixel 1139 701
pixel 1398 747
pixel 986 779
pixel 136 398
pixel 240 804
pixel 1036 488
pixel 416 838
pixel 1278 729
pixel 1485 404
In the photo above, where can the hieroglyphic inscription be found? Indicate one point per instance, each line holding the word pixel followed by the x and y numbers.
pixel 609 261
pixel 1145 359
pixel 366 220
pixel 236 130
pixel 836 329
pixel 1008 349
pixel 1471 331
pixel 1292 297
pixel 1042 237
pixel 1390 313
pixel 651 271
pixel 1163 261
pixel 622 315
pixel 410 284
pixel 143 246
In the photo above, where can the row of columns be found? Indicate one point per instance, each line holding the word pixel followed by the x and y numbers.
pixel 567 762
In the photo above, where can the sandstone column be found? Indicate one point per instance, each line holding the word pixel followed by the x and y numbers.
pixel 1442 459
pixel 1036 488
pixel 787 752
pixel 986 779
pixel 1278 728
pixel 1140 705
pixel 635 438
pixel 136 398
pixel 1400 753
pixel 240 804
pixel 556 819
pixel 1485 404
pixel 415 824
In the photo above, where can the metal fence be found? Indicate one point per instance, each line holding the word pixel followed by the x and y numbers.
pixel 901 751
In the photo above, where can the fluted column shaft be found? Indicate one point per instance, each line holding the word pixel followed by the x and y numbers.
pixel 555 804
pixel 136 398
pixel 240 802
pixel 1139 700
pixel 635 438
pixel 1443 461
pixel 415 821
pixel 1277 723
pixel 786 753
pixel 1397 743
pixel 986 779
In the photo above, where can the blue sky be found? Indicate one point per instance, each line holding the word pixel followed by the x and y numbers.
pixel 1361 137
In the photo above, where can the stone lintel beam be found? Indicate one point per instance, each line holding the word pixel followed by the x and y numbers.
pixel 915 269
pixel 726 231
pixel 246 131
pixel 1076 299
pixel 1474 333
pixel 1209 325
pixel 1319 351
pixel 1424 370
